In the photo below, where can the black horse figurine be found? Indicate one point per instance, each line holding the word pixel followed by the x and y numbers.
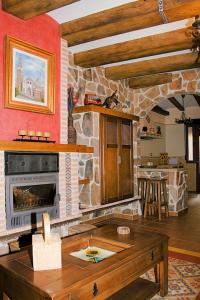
pixel 111 99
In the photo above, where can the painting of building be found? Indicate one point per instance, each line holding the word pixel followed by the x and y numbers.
pixel 30 77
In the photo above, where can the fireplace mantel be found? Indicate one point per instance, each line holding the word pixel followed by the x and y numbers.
pixel 43 147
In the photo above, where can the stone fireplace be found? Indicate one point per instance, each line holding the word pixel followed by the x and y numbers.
pixel 25 195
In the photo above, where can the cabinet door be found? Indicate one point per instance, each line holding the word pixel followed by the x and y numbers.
pixel 116 159
pixel 126 160
pixel 109 159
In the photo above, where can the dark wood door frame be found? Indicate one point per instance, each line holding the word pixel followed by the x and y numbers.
pixel 196 138
pixel 196 149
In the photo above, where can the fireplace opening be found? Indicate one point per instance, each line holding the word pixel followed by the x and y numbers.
pixel 29 195
pixel 33 196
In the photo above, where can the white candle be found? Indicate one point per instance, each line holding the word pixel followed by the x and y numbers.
pixel 22 132
pixel 46 134
pixel 39 133
pixel 31 133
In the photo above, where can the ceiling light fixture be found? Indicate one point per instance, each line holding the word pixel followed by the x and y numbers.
pixel 196 37
pixel 183 119
pixel 162 12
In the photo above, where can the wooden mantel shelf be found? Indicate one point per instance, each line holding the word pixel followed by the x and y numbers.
pixel 43 147
pixel 105 111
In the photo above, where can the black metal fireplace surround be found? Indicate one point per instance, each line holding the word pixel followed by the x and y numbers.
pixel 31 187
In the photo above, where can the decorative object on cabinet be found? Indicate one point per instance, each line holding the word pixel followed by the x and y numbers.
pixel 92 99
pixel 29 78
pixel 46 248
pixel 149 136
pixel 71 129
pixel 144 129
pixel 109 101
pixel 164 158
pixel 158 130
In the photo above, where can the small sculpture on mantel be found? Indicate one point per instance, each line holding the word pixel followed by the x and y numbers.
pixel 71 129
pixel 113 99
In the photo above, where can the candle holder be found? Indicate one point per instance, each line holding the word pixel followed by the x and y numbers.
pixel 39 134
pixel 31 134
pixel 22 133
pixel 46 135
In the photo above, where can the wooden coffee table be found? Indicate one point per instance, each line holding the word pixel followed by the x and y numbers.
pixel 135 254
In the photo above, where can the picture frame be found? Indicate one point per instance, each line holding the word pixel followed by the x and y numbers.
pixel 29 77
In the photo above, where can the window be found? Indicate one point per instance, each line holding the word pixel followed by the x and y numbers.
pixel 189 144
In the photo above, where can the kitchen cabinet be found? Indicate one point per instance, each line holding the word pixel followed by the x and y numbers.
pixel 116 155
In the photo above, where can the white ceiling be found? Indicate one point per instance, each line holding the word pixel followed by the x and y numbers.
pixel 84 8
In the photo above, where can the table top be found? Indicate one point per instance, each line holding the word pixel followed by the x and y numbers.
pixel 75 272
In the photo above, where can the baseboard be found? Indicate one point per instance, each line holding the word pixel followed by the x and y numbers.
pixel 125 216
pixel 178 213
pixel 112 216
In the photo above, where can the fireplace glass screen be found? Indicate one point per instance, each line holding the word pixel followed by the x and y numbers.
pixel 33 196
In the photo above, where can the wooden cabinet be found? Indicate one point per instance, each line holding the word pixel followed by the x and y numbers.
pixel 116 156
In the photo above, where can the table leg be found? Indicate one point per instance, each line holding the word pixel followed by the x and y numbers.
pixel 5 297
pixel 163 271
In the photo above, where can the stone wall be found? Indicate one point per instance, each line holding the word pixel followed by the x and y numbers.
pixel 183 82
pixel 87 127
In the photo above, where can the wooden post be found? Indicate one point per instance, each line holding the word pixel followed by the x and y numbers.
pixel 163 270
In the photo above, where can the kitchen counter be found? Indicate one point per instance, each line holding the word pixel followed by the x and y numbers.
pixel 177 186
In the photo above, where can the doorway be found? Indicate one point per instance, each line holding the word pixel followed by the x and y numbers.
pixel 193 148
pixel 196 133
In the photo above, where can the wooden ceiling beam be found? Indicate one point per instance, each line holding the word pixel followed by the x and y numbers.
pixel 176 103
pixel 197 98
pixel 124 18
pixel 149 80
pixel 159 110
pixel 151 45
pixel 153 66
pixel 26 9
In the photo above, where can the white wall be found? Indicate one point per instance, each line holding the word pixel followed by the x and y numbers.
pixel 155 146
pixel 174 140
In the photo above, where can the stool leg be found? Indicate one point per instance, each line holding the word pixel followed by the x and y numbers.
pixel 159 201
pixel 154 198
pixel 142 195
pixel 147 199
pixel 165 199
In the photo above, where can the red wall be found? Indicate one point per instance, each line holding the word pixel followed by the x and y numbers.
pixel 42 32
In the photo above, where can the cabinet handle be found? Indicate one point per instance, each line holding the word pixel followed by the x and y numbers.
pixel 152 255
pixel 119 160
pixel 95 289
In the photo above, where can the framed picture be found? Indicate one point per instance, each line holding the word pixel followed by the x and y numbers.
pixel 29 77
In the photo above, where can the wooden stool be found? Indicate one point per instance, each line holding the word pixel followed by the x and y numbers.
pixel 142 183
pixel 156 197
